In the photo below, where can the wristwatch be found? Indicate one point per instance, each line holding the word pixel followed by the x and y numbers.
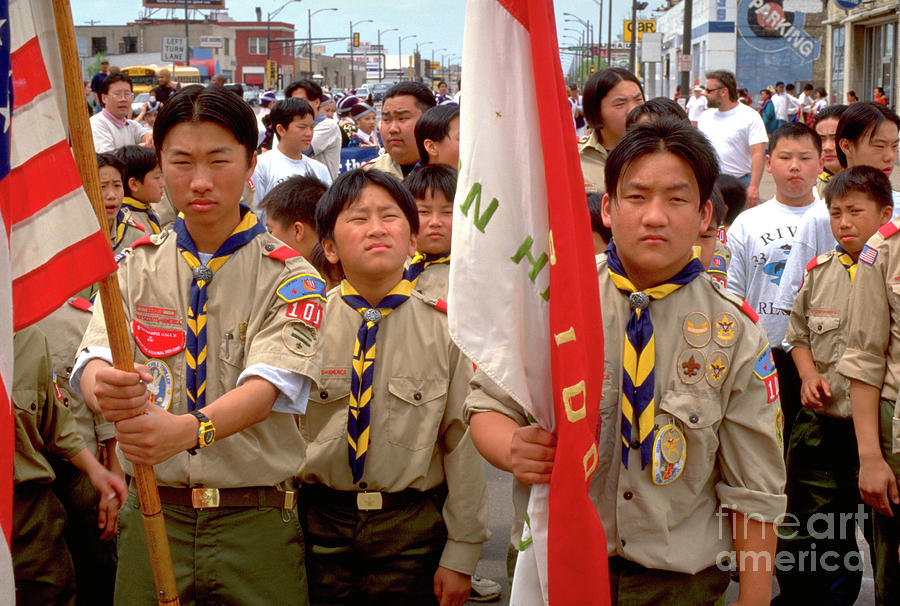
pixel 206 433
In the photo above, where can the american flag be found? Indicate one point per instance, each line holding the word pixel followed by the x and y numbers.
pixel 52 245
pixel 868 255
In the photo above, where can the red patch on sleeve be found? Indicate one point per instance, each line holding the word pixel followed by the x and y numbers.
pixel 812 263
pixel 284 253
pixel 441 306
pixel 142 241
pixel 80 303
pixel 888 229
pixel 157 342
pixel 306 310
pixel 745 307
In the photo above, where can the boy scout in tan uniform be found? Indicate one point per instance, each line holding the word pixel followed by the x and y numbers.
pixel 434 282
pixel 872 362
pixel 593 161
pixel 44 430
pixel 385 163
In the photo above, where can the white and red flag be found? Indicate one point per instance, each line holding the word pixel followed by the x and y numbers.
pixel 524 302
pixel 51 245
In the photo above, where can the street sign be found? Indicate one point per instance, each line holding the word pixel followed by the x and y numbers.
pixel 644 26
pixel 651 47
pixel 684 63
pixel 578 48
pixel 848 4
pixel 191 4
pixel 212 41
pixel 174 48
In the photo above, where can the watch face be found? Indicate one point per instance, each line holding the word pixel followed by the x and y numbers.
pixel 209 435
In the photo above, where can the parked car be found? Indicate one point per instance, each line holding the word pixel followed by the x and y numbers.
pixel 363 93
pixel 379 90
pixel 138 102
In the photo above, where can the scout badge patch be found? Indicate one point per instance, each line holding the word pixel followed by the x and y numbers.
pixel 160 387
pixel 725 331
pixel 695 329
pixel 303 286
pixel 764 369
pixel 300 338
pixel 157 342
pixel 308 311
pixel 669 455
pixel 690 366
pixel 868 255
pixel 717 368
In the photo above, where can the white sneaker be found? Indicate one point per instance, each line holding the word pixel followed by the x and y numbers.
pixel 484 590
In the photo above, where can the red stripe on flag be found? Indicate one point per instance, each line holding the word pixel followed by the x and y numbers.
pixel 45 288
pixel 518 9
pixel 43 179
pixel 29 75
pixel 7 456
pixel 577 568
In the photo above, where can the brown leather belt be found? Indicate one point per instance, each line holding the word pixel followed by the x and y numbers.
pixel 369 500
pixel 211 498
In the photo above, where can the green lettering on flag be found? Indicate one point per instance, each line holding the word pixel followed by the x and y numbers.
pixel 525 251
pixel 480 220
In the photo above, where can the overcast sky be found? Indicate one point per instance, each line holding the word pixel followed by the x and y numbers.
pixel 440 22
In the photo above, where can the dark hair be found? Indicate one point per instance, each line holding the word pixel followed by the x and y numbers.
pixel 790 87
pixel 794 130
pixel 595 205
pixel 597 87
pixel 734 195
pixel 110 159
pixel 821 91
pixel 112 79
pixel 435 125
pixel 236 88
pixel 808 86
pixel 830 112
pixel 669 135
pixel 295 200
pixel 346 190
pixel 212 104
pixel 423 97
pixel 326 269
pixel 656 108
pixel 866 180
pixel 138 161
pixel 879 89
pixel 720 210
pixel 284 112
pixel 779 83
pixel 852 93
pixel 313 90
pixel 432 178
pixel 442 82
pixel 726 79
pixel 859 120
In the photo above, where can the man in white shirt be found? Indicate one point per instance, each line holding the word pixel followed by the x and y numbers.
pixel 736 131
pixel 113 128
pixel 696 105
pixel 326 142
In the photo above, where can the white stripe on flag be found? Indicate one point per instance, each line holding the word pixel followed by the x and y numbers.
pixel 36 127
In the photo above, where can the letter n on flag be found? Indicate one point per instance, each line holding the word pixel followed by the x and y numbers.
pixel 524 297
pixel 51 245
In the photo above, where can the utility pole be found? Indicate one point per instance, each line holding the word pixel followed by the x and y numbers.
pixel 599 31
pixel 686 46
pixel 632 58
pixel 609 38
pixel 187 40
pixel 382 56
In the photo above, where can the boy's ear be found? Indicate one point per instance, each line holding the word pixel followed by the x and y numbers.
pixel 706 213
pixel 604 210
pixel 430 147
pixel 413 243
pixel 300 230
pixel 279 130
pixel 133 183
pixel 886 213
pixel 331 252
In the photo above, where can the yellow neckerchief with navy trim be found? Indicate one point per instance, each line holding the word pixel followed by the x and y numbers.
pixel 143 207
pixel 120 228
pixel 195 355
pixel 422 261
pixel 847 261
pixel 639 356
pixel 825 175
pixel 364 367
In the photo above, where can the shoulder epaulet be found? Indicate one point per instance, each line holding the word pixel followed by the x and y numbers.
pixel 888 229
pixel 282 253
pixel 137 225
pixel 81 303
pixel 819 260
pixel 438 304
pixel 141 241
pixel 734 299
pixel 745 307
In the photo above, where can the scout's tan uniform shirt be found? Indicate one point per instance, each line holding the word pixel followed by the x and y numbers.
pixel 386 163
pixel 873 327
pixel 434 281
pixel 819 323
pixel 43 425
pixel 730 423
pixel 418 437
pixel 593 163
pixel 133 233
pixel 66 326
pixel 247 323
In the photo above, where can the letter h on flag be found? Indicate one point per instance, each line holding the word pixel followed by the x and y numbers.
pixel 521 232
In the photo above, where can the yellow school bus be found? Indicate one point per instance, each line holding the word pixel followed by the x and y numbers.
pixel 143 77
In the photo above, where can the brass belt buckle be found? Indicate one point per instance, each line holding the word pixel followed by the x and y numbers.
pixel 290 499
pixel 369 501
pixel 204 498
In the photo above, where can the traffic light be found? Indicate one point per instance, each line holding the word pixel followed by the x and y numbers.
pixel 356 39
pixel 271 73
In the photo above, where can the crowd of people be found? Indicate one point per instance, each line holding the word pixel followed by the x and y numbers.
pixel 317 436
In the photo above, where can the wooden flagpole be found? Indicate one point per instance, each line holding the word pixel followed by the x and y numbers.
pixel 86 160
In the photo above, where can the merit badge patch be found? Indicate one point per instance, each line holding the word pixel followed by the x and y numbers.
pixel 160 387
pixel 695 329
pixel 304 286
pixel 717 366
pixel 308 311
pixel 669 455
pixel 764 369
pixel 725 330
pixel 300 338
pixel 868 255
pixel 157 342
pixel 690 366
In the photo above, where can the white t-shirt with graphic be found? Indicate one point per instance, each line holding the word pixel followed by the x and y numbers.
pixel 760 240
pixel 732 133
pixel 273 167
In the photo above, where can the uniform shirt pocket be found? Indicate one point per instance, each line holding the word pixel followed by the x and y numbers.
pixel 698 416
pixel 26 400
pixel 326 412
pixel 821 324
pixel 415 409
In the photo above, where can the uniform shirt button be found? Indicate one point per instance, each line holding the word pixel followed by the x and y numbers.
pixel 363 485
pixel 628 494
pixel 323 394
pixel 33 406
pixel 819 327
pixel 417 396
pixel 694 418
pixel 270 247
pixel 635 444
pixel 623 542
